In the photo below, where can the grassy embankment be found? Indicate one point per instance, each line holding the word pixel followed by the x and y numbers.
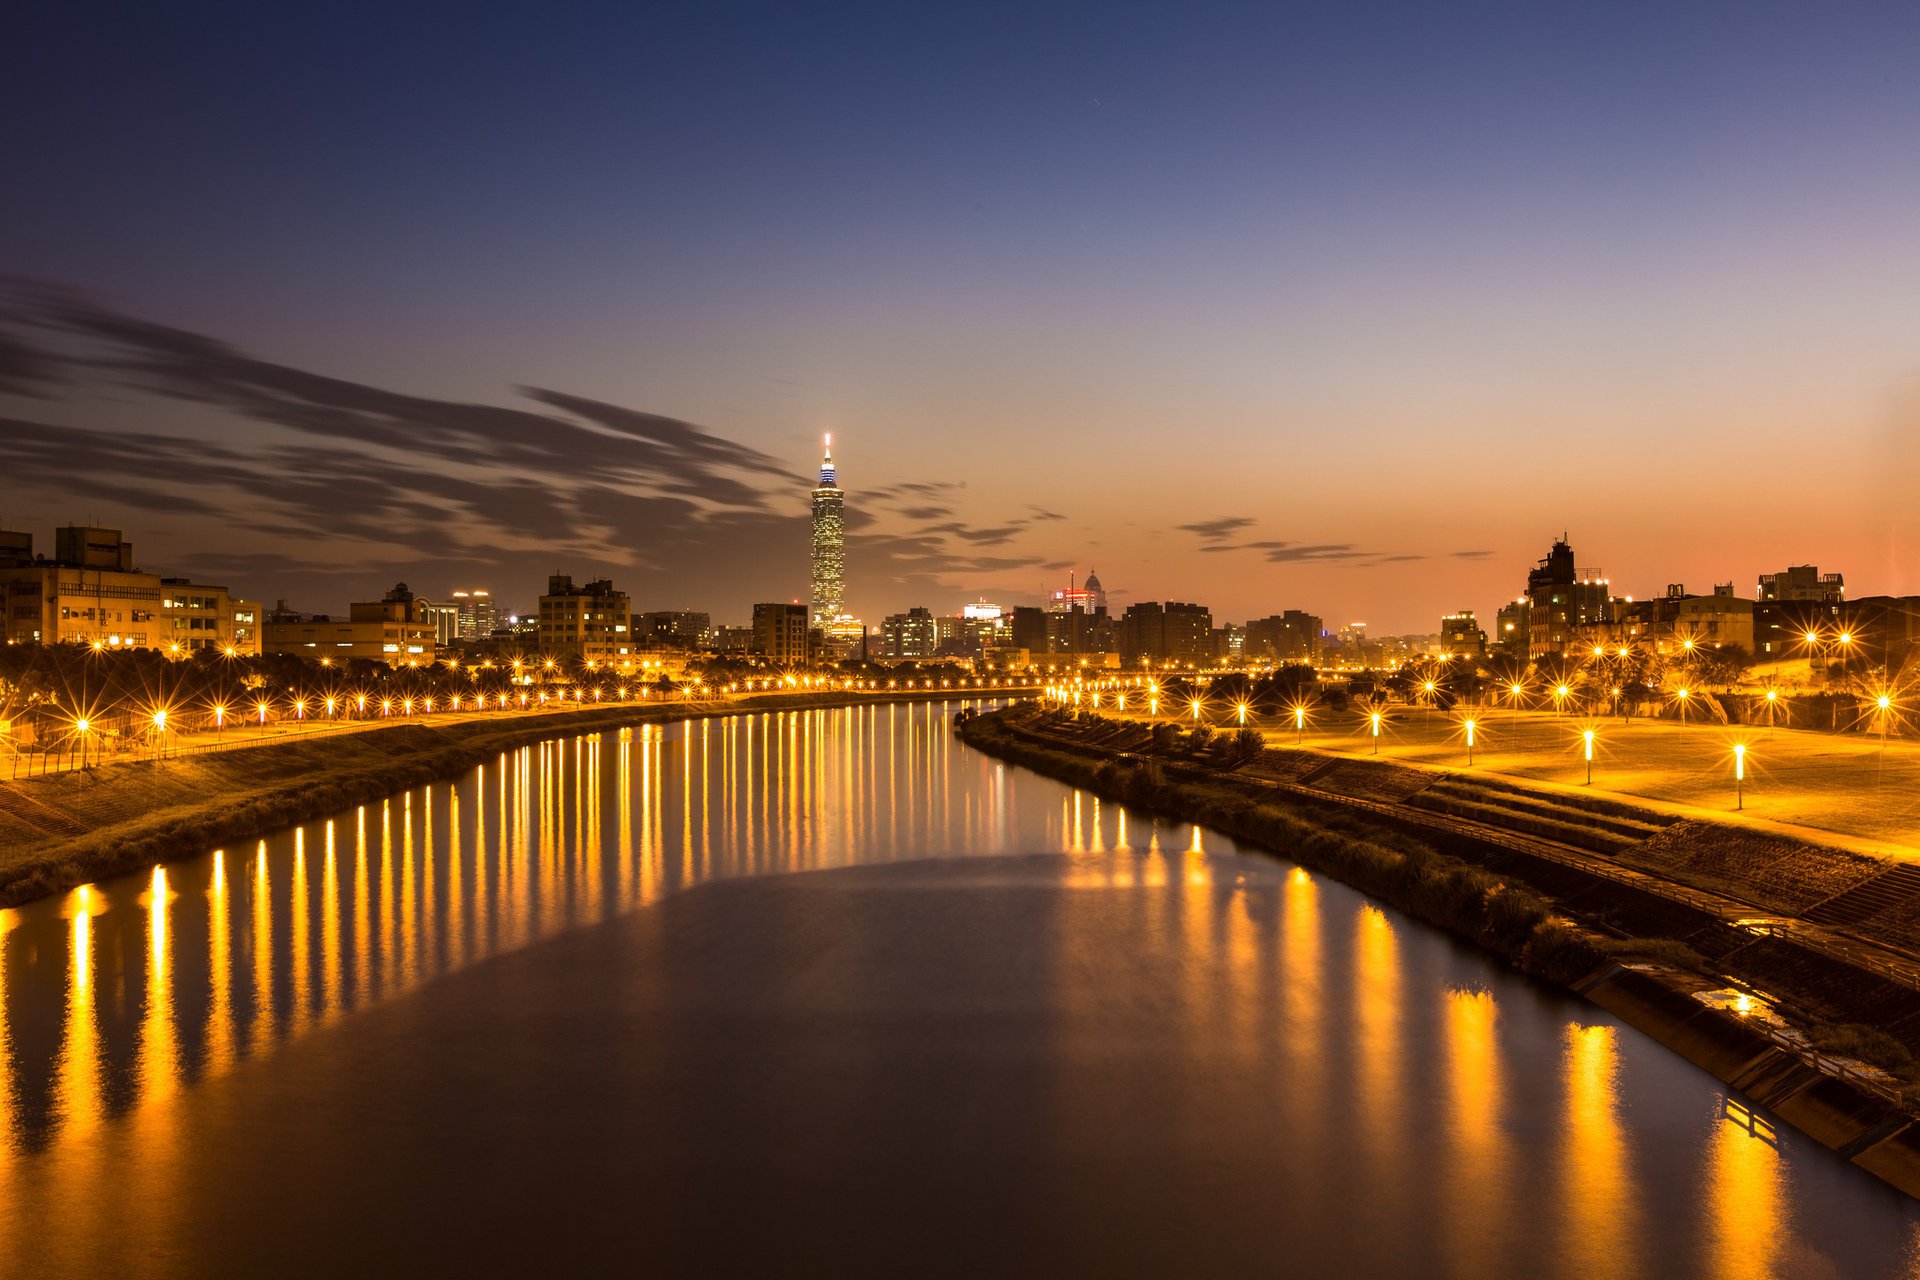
pixel 1556 922
pixel 73 828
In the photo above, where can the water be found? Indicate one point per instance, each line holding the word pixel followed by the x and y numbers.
pixel 576 1011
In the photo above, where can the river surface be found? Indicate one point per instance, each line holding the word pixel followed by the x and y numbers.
pixel 827 993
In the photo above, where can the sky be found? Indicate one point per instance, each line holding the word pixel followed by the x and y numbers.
pixel 1346 308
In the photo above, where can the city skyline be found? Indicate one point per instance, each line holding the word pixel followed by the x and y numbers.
pixel 1363 289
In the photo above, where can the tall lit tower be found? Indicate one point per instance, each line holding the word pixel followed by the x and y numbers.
pixel 829 545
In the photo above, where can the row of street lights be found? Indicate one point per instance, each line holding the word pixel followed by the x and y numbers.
pixel 1375 719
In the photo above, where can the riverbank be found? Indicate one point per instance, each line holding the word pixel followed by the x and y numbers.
pixel 69 829
pixel 1819 1028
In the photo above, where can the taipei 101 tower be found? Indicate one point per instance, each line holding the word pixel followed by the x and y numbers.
pixel 829 543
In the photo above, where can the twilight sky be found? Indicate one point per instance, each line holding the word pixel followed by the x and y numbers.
pixel 1347 308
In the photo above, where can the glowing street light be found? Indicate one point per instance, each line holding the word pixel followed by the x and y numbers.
pixel 82 726
pixel 1587 739
pixel 261 707
pixel 1374 718
pixel 1241 708
pixel 1470 727
pixel 1299 724
pixel 1739 775
pixel 1196 710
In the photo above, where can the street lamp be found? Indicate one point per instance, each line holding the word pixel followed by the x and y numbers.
pixel 1470 728
pixel 1374 717
pixel 1739 775
pixel 1587 739
pixel 1242 709
pixel 81 726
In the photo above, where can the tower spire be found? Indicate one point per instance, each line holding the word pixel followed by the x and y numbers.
pixel 828 476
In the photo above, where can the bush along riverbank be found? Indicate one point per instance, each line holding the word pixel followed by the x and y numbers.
pixel 1628 950
pixel 73 828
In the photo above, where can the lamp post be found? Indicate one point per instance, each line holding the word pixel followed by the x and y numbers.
pixel 1373 718
pixel 81 726
pixel 1739 775
pixel 1299 726
pixel 1587 739
pixel 160 733
pixel 1885 705
pixel 1470 728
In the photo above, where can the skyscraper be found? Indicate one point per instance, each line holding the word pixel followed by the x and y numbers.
pixel 829 543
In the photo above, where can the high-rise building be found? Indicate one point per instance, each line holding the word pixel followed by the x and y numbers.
pixel 1173 634
pixel 912 634
pixel 1562 600
pixel 475 614
pixel 780 633
pixel 590 623
pixel 829 545
pixel 673 628
pixel 1292 636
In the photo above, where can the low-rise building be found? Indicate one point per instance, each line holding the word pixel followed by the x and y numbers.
pixel 393 629
pixel 91 592
pixel 912 635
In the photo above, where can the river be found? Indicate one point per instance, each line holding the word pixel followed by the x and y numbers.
pixel 828 992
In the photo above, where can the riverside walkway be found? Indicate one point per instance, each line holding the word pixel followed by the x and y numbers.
pixel 1852 790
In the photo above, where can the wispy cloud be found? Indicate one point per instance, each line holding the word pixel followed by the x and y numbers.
pixel 328 477
pixel 1214 530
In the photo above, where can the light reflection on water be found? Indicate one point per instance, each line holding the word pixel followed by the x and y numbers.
pixel 1418 1085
